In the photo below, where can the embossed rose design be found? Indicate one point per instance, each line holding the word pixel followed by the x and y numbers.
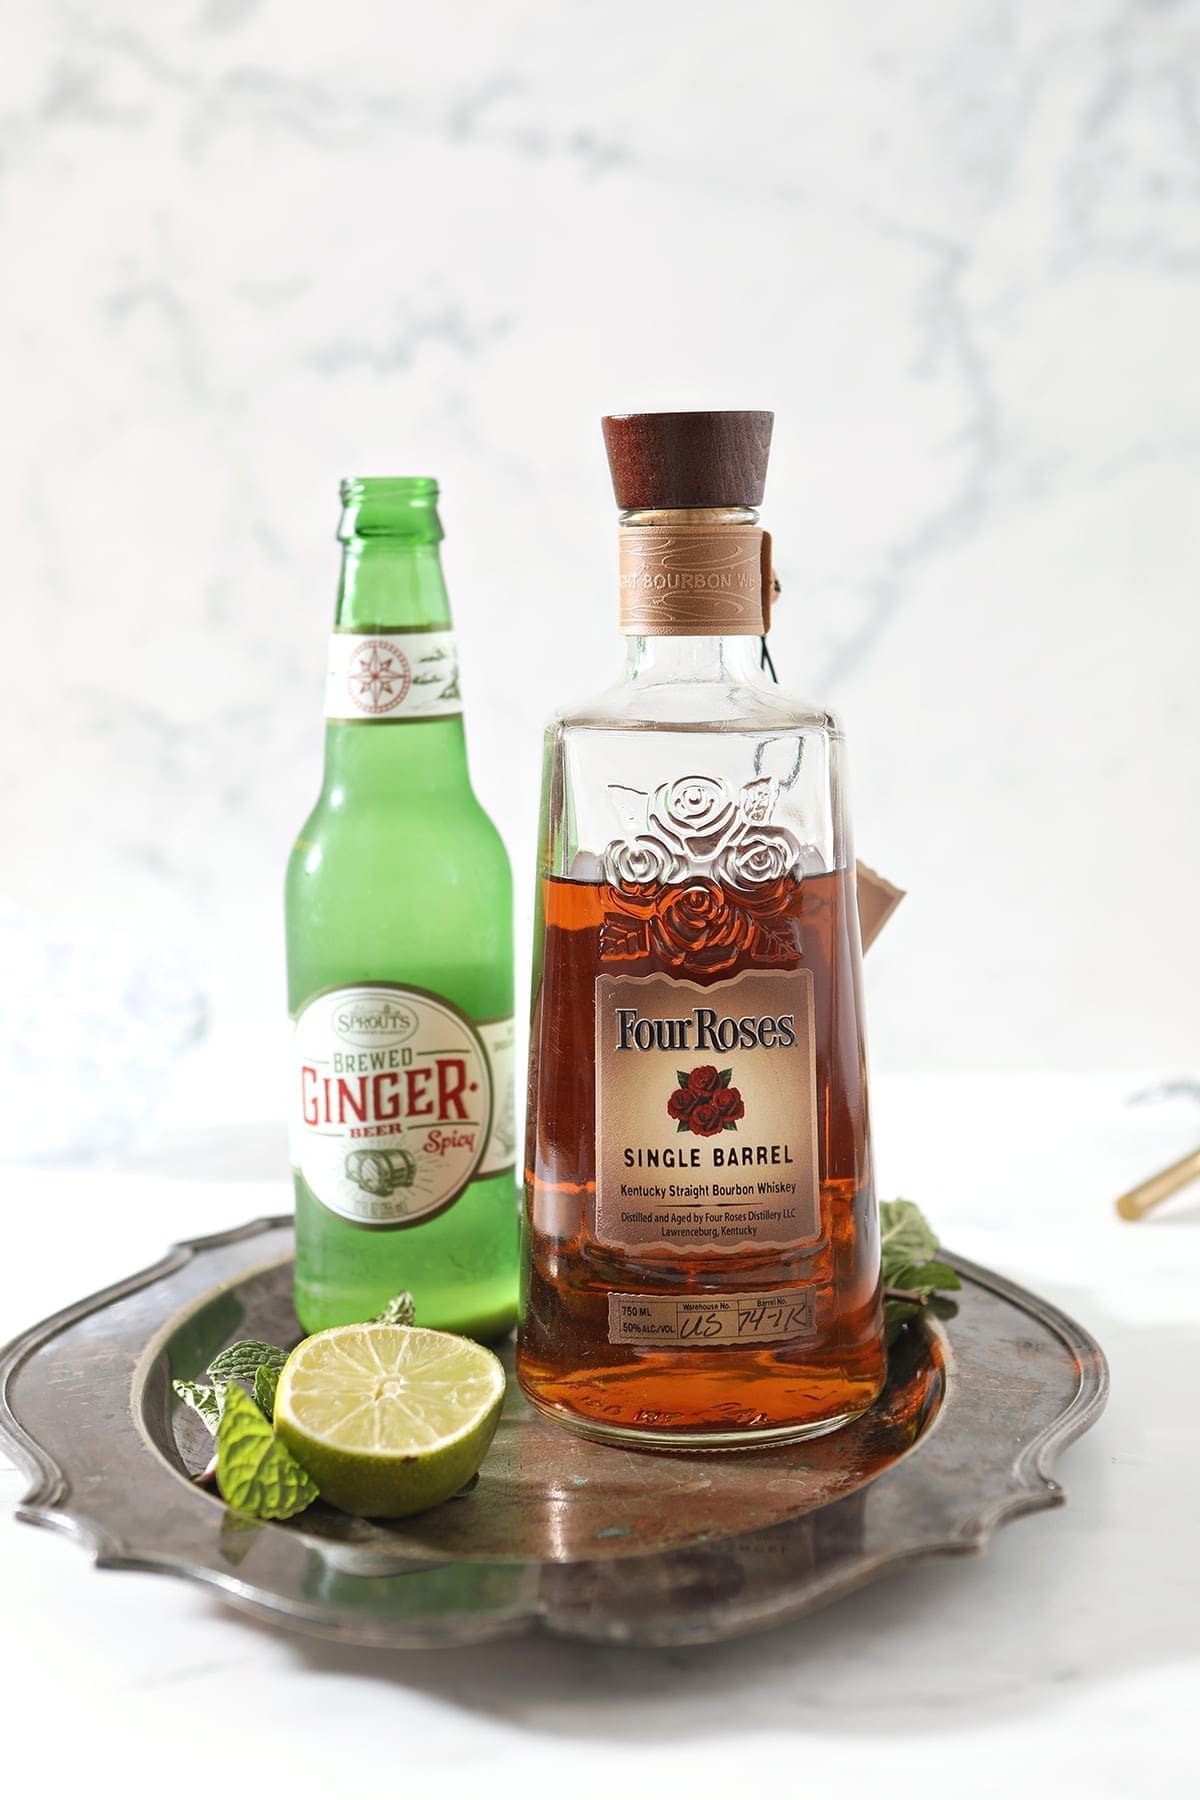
pixel 697 925
pixel 763 854
pixel 704 1102
pixel 699 812
pixel 768 899
pixel 701 876
pixel 632 863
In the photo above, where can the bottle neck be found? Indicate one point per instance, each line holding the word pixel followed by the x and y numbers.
pixel 659 661
pixel 391 584
pixel 392 587
pixel 691 571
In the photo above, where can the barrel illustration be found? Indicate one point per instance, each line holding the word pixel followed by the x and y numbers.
pixel 380 1172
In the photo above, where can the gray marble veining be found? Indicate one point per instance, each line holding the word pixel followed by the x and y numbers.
pixel 249 248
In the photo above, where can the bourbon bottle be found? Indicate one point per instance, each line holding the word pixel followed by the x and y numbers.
pixel 701 1261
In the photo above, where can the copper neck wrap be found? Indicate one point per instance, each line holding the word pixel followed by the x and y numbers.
pixel 696 573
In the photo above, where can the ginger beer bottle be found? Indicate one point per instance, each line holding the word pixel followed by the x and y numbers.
pixel 400 969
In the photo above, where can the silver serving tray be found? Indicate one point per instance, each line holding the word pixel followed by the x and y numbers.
pixel 560 1535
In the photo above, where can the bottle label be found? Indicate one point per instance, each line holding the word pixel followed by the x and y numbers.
pixel 394 677
pixel 712 1318
pixel 698 580
pixel 400 1102
pixel 706 1116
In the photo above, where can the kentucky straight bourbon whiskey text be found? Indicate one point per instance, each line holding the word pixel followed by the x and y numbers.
pixel 702 1260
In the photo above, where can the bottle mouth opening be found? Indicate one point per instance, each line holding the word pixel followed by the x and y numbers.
pixel 402 506
pixel 388 487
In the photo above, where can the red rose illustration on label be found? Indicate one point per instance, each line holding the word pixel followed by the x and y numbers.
pixel 704 1101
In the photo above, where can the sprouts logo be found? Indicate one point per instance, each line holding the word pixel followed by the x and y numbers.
pixel 374 1024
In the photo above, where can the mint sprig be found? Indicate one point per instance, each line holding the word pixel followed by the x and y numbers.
pixel 256 1472
pixel 207 1401
pixel 401 1309
pixel 266 1380
pixel 242 1361
pixel 259 1365
pixel 914 1276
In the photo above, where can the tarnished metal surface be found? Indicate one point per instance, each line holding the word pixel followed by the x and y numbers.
pixel 560 1534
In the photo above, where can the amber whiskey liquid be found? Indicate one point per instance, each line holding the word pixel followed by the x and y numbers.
pixel 705 1382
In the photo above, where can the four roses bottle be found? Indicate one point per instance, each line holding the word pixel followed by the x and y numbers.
pixel 702 1259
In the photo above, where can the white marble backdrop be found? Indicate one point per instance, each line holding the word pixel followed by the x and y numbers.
pixel 247 247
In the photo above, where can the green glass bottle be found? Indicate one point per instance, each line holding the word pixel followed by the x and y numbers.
pixel 400 963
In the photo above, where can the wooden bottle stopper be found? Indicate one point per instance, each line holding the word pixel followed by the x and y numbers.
pixel 688 459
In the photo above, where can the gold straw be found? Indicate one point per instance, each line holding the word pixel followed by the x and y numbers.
pixel 1138 1201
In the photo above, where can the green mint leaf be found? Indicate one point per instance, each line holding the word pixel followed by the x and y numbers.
pixel 933 1275
pixel 906 1238
pixel 913 1273
pixel 906 1276
pixel 207 1401
pixel 257 1473
pixel 401 1309
pixel 266 1380
pixel 240 1361
pixel 922 1278
pixel 896 1315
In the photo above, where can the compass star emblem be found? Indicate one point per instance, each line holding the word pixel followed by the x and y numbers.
pixel 379 676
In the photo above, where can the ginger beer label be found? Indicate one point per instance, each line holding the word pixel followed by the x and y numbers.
pixel 388 678
pixel 400 1102
pixel 706 1134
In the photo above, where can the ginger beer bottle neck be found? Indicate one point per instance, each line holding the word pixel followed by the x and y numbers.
pixel 394 717
pixel 391 565
pixel 391 585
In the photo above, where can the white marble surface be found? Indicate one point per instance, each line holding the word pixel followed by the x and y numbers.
pixel 1064 1662
pixel 249 246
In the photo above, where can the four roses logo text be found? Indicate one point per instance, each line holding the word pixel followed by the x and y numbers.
pixel 704 1102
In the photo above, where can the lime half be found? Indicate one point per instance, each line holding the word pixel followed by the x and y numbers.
pixel 388 1419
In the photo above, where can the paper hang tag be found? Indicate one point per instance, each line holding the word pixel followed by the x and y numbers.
pixel 877 901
